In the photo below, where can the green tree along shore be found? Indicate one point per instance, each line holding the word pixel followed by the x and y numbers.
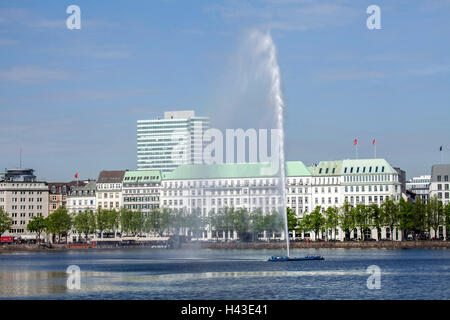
pixel 416 218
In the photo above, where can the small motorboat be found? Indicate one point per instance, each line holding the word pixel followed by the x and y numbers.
pixel 284 258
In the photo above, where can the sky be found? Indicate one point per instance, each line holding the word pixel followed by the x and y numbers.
pixel 70 99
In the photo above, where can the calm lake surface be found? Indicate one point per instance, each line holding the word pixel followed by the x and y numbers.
pixel 225 274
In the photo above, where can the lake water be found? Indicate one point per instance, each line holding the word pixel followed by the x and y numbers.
pixel 225 274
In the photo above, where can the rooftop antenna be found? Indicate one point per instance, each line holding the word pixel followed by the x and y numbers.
pixel 20 158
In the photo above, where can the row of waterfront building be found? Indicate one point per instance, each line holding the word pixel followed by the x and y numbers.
pixel 206 189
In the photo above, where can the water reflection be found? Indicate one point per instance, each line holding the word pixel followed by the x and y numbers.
pixel 28 283
pixel 411 274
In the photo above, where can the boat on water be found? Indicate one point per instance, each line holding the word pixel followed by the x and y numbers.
pixel 284 258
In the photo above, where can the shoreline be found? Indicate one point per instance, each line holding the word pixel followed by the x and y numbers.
pixel 245 246
pixel 330 245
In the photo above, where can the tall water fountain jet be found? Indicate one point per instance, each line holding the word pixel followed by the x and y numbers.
pixel 267 47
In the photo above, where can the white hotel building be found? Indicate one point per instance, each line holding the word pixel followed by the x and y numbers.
pixel 82 198
pixel 108 193
pixel 164 144
pixel 208 188
pixel 141 190
pixel 440 182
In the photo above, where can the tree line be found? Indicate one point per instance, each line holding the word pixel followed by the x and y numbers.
pixel 416 218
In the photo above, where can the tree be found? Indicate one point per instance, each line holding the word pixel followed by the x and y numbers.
pixel 362 218
pixel 59 222
pixel 292 220
pixel 125 221
pixel 178 221
pixel 101 220
pixel 389 213
pixel 315 221
pixel 447 218
pixel 137 222
pixel 419 216
pixel 5 222
pixel 159 220
pixel 84 222
pixel 112 221
pixel 375 217
pixel 194 222
pixel 347 218
pixel 405 217
pixel 435 214
pixel 273 222
pixel 332 219
pixel 257 223
pixel 38 225
pixel 241 223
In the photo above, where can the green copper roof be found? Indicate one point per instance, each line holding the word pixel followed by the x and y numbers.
pixel 366 166
pixel 327 168
pixel 232 170
pixel 142 176
pixel 296 169
pixel 352 166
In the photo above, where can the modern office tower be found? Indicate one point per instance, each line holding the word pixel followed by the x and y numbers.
pixel 420 187
pixel 164 144
pixel 439 186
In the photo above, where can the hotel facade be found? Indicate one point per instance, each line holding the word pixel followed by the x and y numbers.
pixel 207 189
pixel 141 190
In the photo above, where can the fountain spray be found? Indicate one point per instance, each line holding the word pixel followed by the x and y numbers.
pixel 267 46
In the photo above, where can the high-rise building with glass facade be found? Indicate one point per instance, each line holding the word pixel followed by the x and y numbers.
pixel 164 144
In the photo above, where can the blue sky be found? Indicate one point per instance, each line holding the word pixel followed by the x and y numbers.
pixel 70 98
